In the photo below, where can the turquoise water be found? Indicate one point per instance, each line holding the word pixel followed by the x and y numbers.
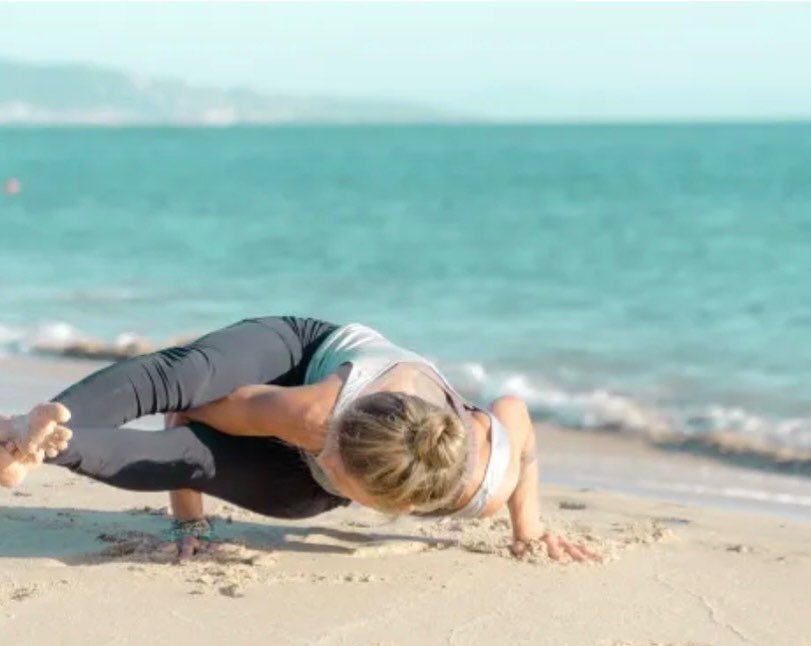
pixel 618 276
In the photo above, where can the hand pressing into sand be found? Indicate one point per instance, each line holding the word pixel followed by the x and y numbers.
pixel 26 440
pixel 555 547
pixel 193 537
pixel 191 546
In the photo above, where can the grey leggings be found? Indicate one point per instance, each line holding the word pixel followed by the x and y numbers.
pixel 264 475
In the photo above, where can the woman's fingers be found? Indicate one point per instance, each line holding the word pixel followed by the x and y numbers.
pixel 171 420
pixel 591 555
pixel 552 546
pixel 558 548
pixel 518 548
pixel 579 552
pixel 574 551
pixel 190 546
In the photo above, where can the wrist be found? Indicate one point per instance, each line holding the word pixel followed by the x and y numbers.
pixel 527 531
pixel 200 528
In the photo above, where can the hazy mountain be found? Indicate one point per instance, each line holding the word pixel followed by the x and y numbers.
pixel 84 94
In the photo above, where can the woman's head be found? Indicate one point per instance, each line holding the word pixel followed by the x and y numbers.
pixel 403 451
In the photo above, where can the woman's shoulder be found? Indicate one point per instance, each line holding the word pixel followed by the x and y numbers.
pixel 509 409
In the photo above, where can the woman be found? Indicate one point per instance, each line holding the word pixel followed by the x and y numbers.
pixel 291 417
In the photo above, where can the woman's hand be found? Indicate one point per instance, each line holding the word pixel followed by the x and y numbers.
pixel 529 536
pixel 192 537
pixel 557 547
pixel 190 546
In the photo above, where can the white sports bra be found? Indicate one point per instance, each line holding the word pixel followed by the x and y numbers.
pixel 370 355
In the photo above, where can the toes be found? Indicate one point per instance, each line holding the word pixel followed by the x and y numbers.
pixel 58 439
pixel 62 414
pixel 35 437
pixel 48 412
pixel 61 433
pixel 43 433
pixel 40 434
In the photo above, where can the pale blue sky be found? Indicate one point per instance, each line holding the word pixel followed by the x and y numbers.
pixel 518 61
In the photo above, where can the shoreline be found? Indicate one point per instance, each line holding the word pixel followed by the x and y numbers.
pixel 84 563
pixel 634 466
pixel 622 463
pixel 734 435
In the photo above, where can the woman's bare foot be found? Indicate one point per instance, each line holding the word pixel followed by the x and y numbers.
pixel 26 440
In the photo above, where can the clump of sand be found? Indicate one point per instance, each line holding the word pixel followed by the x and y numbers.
pixel 227 567
pixel 492 536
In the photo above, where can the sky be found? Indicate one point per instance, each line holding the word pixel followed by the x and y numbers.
pixel 502 60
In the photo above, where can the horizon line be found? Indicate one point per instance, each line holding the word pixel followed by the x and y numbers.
pixel 479 122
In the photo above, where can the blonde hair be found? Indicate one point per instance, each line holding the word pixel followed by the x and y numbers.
pixel 403 450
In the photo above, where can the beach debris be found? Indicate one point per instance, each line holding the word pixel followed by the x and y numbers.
pixel 571 506
pixel 739 548
pixel 231 590
pixel 149 510
pixel 12 187
pixel 63 340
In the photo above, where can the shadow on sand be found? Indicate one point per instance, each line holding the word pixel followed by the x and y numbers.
pixel 83 537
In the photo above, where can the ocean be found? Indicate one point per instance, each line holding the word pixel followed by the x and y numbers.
pixel 636 279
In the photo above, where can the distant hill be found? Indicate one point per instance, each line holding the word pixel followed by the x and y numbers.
pixel 84 94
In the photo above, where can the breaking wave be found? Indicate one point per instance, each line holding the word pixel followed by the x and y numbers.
pixel 752 437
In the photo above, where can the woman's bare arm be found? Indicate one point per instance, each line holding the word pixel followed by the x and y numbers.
pixel 523 503
pixel 522 475
pixel 186 504
pixel 297 415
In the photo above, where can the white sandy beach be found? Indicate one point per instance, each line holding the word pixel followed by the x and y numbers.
pixel 84 563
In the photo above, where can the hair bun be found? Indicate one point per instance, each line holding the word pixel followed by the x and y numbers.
pixel 437 439
pixel 403 451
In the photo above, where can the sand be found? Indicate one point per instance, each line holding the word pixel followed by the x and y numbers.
pixel 82 563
